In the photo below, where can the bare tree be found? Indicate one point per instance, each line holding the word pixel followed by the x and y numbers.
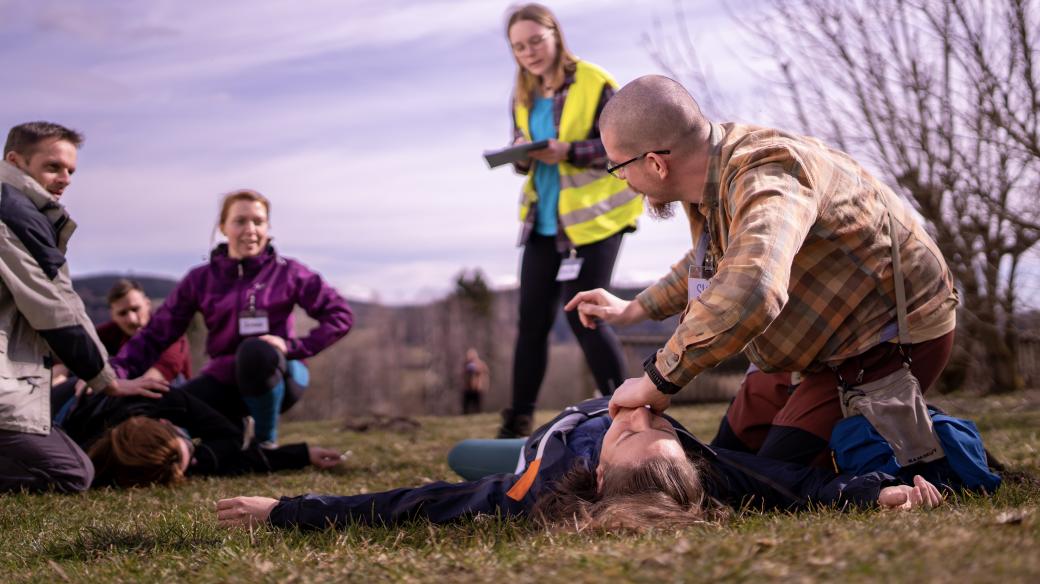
pixel 943 98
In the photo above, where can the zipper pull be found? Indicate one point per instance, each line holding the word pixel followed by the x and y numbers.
pixel 240 271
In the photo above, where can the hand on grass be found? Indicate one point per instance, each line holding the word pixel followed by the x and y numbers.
pixel 324 458
pixel 638 392
pixel 276 342
pixel 923 493
pixel 143 386
pixel 244 511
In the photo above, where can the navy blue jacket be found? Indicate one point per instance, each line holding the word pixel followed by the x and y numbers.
pixel 735 478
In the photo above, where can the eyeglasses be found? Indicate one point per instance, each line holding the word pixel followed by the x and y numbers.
pixel 533 42
pixel 613 169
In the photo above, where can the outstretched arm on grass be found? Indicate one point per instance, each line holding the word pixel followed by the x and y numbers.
pixel 438 502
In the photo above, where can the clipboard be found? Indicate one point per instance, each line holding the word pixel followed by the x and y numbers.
pixel 513 153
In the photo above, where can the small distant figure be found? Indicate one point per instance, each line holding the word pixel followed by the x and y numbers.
pixel 475 382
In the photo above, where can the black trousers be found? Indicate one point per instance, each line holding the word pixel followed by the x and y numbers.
pixel 259 367
pixel 471 401
pixel 540 298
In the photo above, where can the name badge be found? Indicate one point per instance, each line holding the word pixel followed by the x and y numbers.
pixel 253 323
pixel 697 282
pixel 569 269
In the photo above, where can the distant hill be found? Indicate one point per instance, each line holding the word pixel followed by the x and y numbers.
pixel 93 289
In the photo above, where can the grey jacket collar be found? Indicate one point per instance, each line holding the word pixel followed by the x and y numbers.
pixel 18 179
pixel 47 203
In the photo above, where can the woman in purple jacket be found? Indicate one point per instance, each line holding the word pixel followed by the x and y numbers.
pixel 246 294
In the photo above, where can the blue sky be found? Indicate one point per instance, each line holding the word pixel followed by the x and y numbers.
pixel 362 121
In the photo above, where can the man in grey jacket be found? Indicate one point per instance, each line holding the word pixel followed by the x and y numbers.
pixel 41 315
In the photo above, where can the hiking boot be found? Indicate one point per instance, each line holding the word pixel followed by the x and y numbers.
pixel 515 425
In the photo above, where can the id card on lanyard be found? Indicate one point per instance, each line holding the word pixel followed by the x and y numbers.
pixel 698 280
pixel 253 322
pixel 570 267
pixel 701 271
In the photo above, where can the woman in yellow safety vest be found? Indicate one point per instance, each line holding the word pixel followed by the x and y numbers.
pixel 574 214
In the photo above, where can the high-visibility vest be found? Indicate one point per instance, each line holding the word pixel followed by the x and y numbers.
pixel 593 204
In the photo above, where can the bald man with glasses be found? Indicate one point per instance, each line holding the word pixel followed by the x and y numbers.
pixel 791 264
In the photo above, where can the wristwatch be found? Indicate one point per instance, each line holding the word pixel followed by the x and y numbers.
pixel 662 384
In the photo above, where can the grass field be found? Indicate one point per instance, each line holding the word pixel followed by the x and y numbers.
pixel 165 535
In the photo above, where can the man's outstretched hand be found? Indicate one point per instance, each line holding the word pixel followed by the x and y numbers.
pixel 598 304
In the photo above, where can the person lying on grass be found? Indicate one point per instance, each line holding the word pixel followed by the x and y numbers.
pixel 584 469
pixel 139 441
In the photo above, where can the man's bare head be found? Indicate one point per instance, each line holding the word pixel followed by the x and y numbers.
pixel 652 113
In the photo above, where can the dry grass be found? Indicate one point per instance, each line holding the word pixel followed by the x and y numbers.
pixel 162 535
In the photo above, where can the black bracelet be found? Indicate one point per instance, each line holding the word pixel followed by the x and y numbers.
pixel 662 384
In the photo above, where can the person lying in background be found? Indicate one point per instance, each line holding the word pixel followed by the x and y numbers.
pixel 246 294
pixel 130 310
pixel 585 470
pixel 138 441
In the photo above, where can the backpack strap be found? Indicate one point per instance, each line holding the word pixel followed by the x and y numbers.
pixel 897 276
pixel 562 425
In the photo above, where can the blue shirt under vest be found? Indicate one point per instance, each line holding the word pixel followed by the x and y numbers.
pixel 546 176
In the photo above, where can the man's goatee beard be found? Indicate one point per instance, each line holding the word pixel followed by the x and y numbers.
pixel 660 211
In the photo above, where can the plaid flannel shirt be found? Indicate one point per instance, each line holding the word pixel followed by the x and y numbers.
pixel 799 234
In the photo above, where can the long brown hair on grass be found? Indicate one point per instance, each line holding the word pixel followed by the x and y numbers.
pixel 526 82
pixel 660 493
pixel 137 452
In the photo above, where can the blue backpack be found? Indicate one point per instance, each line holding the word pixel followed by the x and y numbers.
pixel 859 449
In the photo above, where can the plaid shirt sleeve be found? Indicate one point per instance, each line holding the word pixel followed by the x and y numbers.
pixel 668 295
pixel 590 152
pixel 771 208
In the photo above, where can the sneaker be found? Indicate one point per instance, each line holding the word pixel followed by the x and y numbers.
pixel 515 425
pixel 268 445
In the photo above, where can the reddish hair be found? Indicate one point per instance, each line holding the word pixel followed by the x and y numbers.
pixel 248 195
pixel 137 452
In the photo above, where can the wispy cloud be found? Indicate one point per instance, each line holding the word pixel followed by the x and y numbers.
pixel 363 121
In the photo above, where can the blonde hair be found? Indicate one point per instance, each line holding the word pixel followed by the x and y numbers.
pixel 659 493
pixel 566 62
pixel 137 452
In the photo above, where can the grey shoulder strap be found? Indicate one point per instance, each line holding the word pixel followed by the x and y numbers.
pixel 897 276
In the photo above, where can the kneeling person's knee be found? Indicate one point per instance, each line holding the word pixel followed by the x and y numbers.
pixel 259 367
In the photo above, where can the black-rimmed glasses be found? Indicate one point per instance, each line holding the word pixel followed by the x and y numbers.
pixel 613 169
